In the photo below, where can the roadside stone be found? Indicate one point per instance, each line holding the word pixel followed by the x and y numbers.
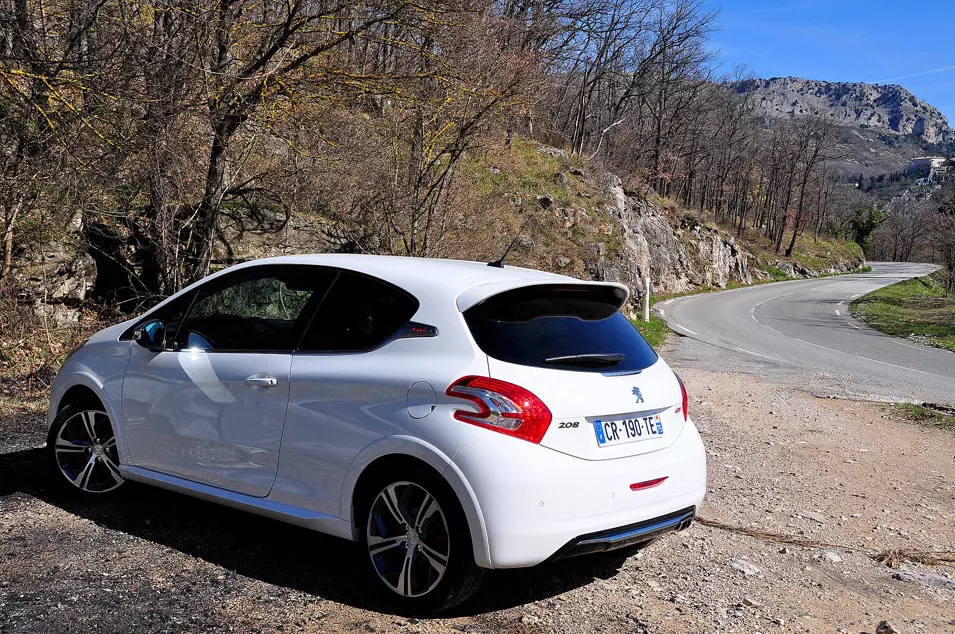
pixel 828 556
pixel 810 515
pixel 552 151
pixel 752 603
pixel 886 628
pixel 745 567
pixel 925 579
pixel 654 585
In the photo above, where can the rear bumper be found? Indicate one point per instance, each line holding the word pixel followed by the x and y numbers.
pixel 538 503
pixel 625 536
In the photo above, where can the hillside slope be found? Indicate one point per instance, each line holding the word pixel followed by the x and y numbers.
pixel 576 220
pixel 583 223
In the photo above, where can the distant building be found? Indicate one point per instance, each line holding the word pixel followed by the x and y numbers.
pixel 925 164
pixel 930 170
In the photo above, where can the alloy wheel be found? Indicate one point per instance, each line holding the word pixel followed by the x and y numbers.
pixel 408 540
pixel 86 453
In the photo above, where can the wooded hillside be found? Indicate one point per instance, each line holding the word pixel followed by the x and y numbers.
pixel 145 127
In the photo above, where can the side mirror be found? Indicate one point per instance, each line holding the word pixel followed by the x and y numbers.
pixel 151 335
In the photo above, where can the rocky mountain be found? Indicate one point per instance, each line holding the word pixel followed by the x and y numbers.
pixel 887 108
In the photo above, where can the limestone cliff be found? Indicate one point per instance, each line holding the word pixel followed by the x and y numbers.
pixel 886 107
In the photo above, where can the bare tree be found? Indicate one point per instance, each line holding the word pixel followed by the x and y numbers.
pixel 944 234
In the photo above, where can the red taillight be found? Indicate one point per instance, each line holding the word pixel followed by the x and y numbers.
pixel 686 401
pixel 502 406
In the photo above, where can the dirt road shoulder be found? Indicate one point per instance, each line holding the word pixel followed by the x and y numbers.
pixel 814 487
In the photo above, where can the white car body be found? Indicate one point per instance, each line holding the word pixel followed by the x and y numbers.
pixel 186 420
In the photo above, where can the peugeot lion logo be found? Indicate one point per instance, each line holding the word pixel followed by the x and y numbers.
pixel 638 394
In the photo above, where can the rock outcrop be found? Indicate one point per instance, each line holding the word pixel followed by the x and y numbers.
pixel 720 259
pixel 677 255
pixel 56 280
pixel 886 107
pixel 649 245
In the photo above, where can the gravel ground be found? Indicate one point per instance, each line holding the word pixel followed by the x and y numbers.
pixel 784 467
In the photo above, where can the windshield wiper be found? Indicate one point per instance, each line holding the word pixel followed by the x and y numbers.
pixel 596 359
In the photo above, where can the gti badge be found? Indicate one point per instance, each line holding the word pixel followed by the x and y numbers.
pixel 638 394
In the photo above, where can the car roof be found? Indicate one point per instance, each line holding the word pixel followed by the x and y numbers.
pixel 467 283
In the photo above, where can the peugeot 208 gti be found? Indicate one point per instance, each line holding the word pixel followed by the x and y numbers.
pixel 449 416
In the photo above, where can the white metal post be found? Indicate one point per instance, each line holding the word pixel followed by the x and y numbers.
pixel 646 300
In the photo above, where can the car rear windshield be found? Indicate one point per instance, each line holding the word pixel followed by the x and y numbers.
pixel 563 327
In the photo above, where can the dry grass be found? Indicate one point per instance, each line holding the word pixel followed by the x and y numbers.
pixel 33 347
pixel 506 187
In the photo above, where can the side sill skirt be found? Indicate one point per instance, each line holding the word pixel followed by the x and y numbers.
pixel 287 513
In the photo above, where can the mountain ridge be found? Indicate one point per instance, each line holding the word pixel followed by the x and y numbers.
pixel 887 107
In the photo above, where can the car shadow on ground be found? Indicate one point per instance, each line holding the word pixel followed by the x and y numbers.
pixel 271 551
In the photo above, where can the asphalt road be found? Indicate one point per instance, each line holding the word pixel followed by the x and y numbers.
pixel 801 333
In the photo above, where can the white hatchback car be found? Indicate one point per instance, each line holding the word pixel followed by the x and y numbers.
pixel 450 416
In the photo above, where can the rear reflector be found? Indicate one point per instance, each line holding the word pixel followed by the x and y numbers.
pixel 647 484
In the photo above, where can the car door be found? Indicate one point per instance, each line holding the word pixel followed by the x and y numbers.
pixel 349 387
pixel 211 406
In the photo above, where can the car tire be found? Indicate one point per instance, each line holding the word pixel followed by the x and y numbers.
pixel 416 542
pixel 81 446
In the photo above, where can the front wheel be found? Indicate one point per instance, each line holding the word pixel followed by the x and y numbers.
pixel 82 448
pixel 418 544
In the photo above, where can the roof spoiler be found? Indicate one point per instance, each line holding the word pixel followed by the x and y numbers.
pixel 477 294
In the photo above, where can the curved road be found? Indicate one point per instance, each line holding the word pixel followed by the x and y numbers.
pixel 801 333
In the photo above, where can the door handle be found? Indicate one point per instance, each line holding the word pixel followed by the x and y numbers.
pixel 262 381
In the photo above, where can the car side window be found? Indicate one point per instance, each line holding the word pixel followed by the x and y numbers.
pixel 257 309
pixel 360 313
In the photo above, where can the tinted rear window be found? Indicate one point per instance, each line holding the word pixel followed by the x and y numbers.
pixel 571 327
pixel 360 313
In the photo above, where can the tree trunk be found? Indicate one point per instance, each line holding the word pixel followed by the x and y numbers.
pixel 208 210
pixel 8 242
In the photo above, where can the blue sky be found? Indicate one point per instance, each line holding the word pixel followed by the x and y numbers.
pixel 907 43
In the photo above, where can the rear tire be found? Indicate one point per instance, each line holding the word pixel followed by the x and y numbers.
pixel 416 541
pixel 81 446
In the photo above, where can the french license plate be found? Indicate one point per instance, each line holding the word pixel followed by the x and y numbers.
pixel 618 431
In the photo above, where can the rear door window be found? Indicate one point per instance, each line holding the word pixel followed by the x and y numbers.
pixel 360 313
pixel 562 327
